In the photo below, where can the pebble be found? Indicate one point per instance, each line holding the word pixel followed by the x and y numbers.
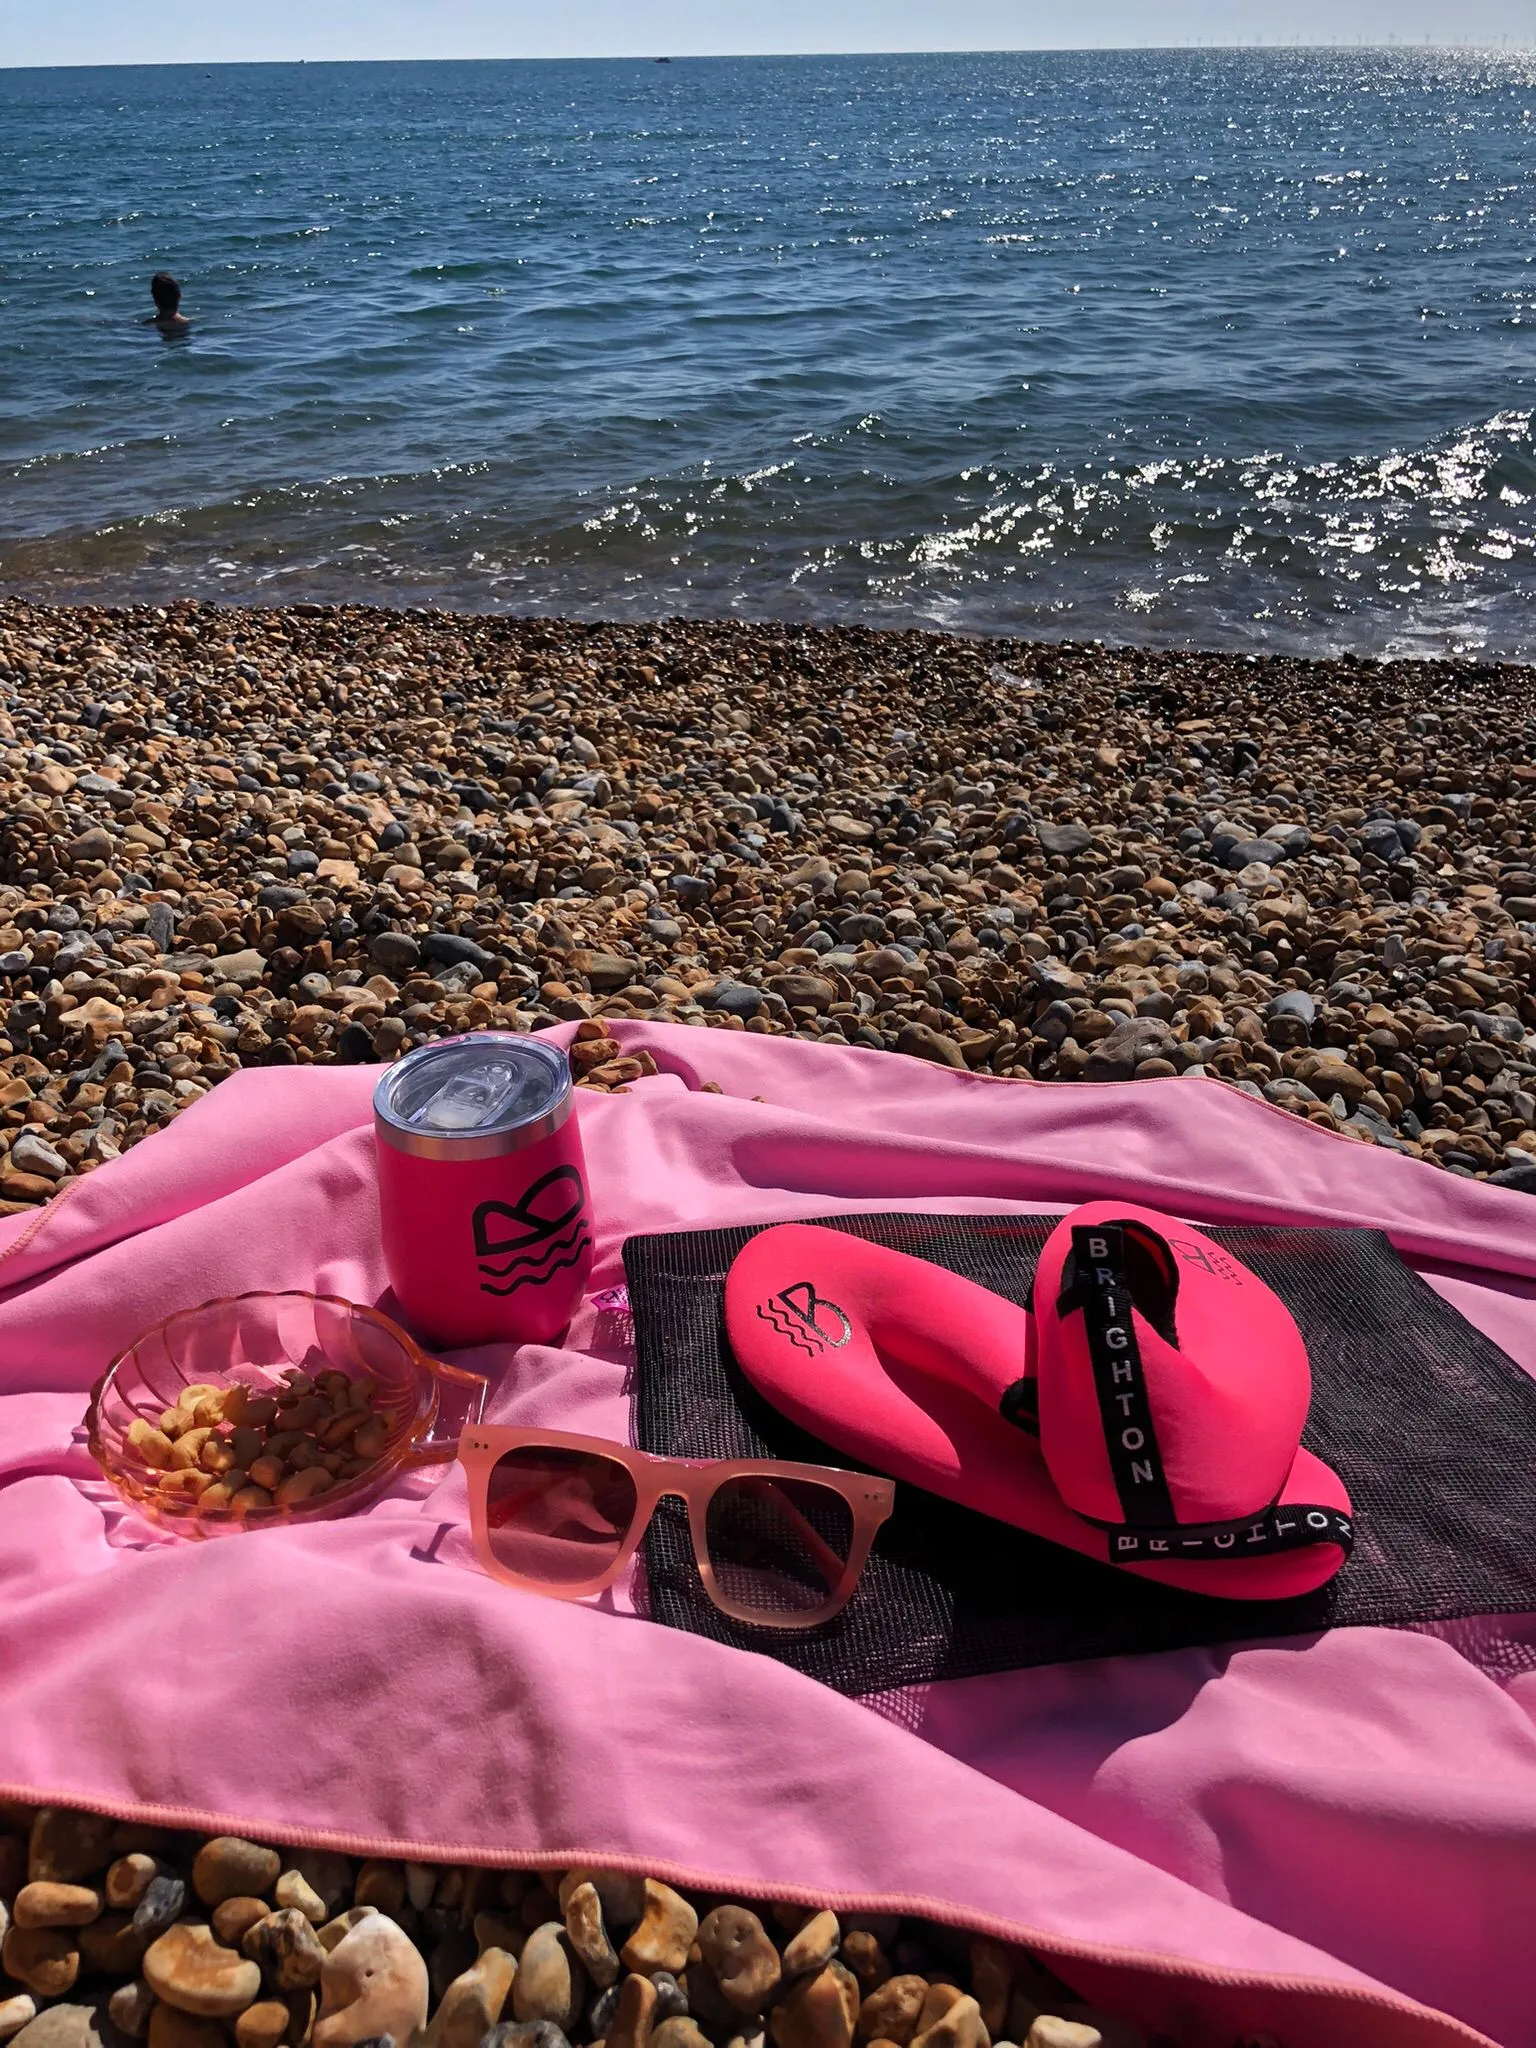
pixel 958 2026
pixel 234 1918
pixel 891 2012
pixel 817 2012
pixel 583 1910
pixel 15 2012
pixel 160 1906
pixel 665 1932
pixel 131 1876
pixel 285 1946
pixel 130 2006
pixel 66 1845
pixel 263 2025
pixel 550 1983
pixel 472 2003
pixel 634 2014
pixel 191 1970
pixel 45 1904
pixel 745 1963
pixel 228 1867
pixel 44 1959
pixel 814 1946
pixel 374 1982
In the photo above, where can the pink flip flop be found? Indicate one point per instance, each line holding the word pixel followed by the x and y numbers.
pixel 1148 1413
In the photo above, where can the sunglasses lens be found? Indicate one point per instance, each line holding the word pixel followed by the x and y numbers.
pixel 558 1516
pixel 778 1546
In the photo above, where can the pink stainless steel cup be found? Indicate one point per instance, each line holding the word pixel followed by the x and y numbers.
pixel 482 1190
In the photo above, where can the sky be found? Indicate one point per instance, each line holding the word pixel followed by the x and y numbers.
pixel 216 31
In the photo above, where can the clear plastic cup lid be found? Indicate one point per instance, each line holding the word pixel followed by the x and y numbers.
pixel 476 1087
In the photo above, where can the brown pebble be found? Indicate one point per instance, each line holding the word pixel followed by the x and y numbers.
pixel 229 1867
pixel 550 1983
pixel 941 1995
pixel 262 2025
pixel 814 1946
pixel 233 1919
pixel 630 2026
pixel 45 1959
pixel 189 1969
pixel 129 1878
pixel 328 1874
pixel 474 2000
pixel 706 2001
pixel 817 2012
pixel 959 2025
pixel 868 1961
pixel 130 2007
pixel 67 1845
pixel 891 2012
pixel 665 1932
pixel 745 1963
pixel 681 2032
pixel 287 1948
pixel 44 1904
pixel 583 1911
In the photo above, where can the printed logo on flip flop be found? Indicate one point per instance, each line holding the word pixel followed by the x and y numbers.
pixel 1212 1261
pixel 546 1237
pixel 809 1320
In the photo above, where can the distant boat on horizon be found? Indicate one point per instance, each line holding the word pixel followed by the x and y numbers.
pixel 661 60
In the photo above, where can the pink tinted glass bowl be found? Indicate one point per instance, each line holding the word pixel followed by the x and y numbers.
pixel 253 1339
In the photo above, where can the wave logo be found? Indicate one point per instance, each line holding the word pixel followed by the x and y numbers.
pixel 549 1232
pixel 809 1320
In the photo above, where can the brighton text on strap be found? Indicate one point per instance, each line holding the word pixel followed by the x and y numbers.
pixel 1099 1284
pixel 1273 1529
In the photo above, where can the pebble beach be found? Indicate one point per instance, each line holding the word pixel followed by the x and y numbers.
pixel 112 1932
pixel 246 837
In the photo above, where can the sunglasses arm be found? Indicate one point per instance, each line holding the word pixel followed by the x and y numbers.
pixel 832 1566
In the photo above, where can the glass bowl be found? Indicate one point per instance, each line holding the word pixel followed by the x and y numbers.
pixel 256 1340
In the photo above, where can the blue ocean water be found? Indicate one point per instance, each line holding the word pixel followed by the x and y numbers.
pixel 1232 348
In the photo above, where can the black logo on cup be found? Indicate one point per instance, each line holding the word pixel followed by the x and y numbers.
pixel 809 1320
pixel 538 1237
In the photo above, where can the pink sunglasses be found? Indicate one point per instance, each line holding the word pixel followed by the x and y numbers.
pixel 778 1545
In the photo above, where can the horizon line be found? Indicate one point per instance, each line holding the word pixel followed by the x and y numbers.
pixel 1397 47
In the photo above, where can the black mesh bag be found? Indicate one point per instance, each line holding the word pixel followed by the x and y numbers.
pixel 1430 1426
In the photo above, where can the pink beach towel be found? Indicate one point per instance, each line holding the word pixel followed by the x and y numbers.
pixel 1333 1838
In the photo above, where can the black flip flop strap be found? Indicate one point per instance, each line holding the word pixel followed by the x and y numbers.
pixel 1094 1281
pixel 1098 1286
pixel 1261 1535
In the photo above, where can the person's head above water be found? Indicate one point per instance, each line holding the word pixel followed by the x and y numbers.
pixel 166 293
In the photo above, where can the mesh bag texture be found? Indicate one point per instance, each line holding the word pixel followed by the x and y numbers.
pixel 1429 1425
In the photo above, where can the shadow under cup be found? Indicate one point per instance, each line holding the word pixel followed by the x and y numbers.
pixel 560 1517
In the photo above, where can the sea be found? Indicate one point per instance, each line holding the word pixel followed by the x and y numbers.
pixel 1221 348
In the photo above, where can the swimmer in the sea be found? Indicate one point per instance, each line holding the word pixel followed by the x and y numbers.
pixel 166 293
